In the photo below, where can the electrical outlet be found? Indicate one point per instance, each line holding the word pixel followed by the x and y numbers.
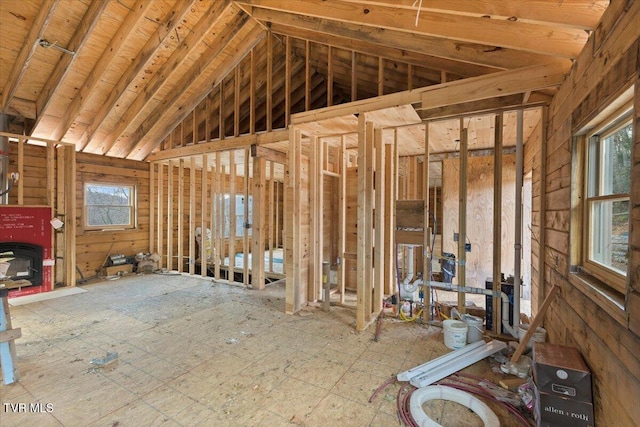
pixel 467 247
pixel 456 236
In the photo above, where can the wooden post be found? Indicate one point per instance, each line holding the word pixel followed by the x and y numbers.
pixel 497 225
pixel 315 209
pixel 462 219
pixel 59 208
pixel 365 223
pixel 287 80
pixel 170 200
pixel 294 283
pixel 159 222
pixel 272 203
pixel 245 225
pixel 192 216
pixel 218 224
pixel 426 248
pixel 204 203
pixel 152 206
pixel 269 95
pixel 180 213
pixel 379 221
pixel 212 213
pixel 21 171
pixel 69 253
pixel 307 75
pixel 329 76
pixel 258 223
pixel 252 94
pixel 390 216
pixel 342 207
pixel 232 216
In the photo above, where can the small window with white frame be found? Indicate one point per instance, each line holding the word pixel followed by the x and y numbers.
pixel 109 206
pixel 607 206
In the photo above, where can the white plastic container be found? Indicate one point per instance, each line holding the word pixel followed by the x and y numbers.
pixel 540 335
pixel 455 333
pixel 475 331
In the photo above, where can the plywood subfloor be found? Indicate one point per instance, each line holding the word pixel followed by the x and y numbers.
pixel 194 352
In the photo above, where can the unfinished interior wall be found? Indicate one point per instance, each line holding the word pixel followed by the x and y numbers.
pixel 479 262
pixel 93 246
pixel 186 200
pixel 606 334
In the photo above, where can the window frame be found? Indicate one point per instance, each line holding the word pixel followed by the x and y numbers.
pixel 133 207
pixel 605 127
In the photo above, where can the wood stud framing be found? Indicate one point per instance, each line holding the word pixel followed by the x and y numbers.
pixel 462 219
pixel 497 223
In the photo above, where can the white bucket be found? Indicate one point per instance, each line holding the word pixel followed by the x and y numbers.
pixel 455 333
pixel 475 330
pixel 540 335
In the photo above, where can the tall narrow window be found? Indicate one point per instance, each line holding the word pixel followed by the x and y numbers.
pixel 607 205
pixel 109 206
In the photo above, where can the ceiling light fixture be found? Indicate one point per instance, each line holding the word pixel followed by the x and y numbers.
pixel 47 45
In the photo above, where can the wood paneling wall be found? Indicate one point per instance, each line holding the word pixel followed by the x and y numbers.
pixel 93 247
pixel 604 336
pixel 34 174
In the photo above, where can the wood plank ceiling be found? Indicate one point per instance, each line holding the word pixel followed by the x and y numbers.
pixel 127 78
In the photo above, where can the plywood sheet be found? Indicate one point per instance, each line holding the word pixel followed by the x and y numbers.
pixel 479 264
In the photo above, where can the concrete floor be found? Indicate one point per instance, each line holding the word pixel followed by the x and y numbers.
pixel 192 352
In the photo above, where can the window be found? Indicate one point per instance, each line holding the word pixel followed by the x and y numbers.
pixel 240 220
pixel 607 207
pixel 109 206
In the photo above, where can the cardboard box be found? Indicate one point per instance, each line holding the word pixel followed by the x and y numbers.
pixel 560 371
pixel 446 306
pixel 115 269
pixel 553 410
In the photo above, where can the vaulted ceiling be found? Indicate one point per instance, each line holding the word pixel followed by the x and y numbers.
pixel 127 78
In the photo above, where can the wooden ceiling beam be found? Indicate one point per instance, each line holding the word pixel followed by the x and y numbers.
pixel 160 127
pixel 65 63
pixel 484 106
pixel 90 84
pixel 535 38
pixel 21 64
pixel 168 70
pixel 471 53
pixel 494 85
pixel 231 143
pixel 582 15
pixel 465 90
pixel 163 32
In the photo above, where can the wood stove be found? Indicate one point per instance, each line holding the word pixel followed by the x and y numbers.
pixel 26 245
pixel 23 261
